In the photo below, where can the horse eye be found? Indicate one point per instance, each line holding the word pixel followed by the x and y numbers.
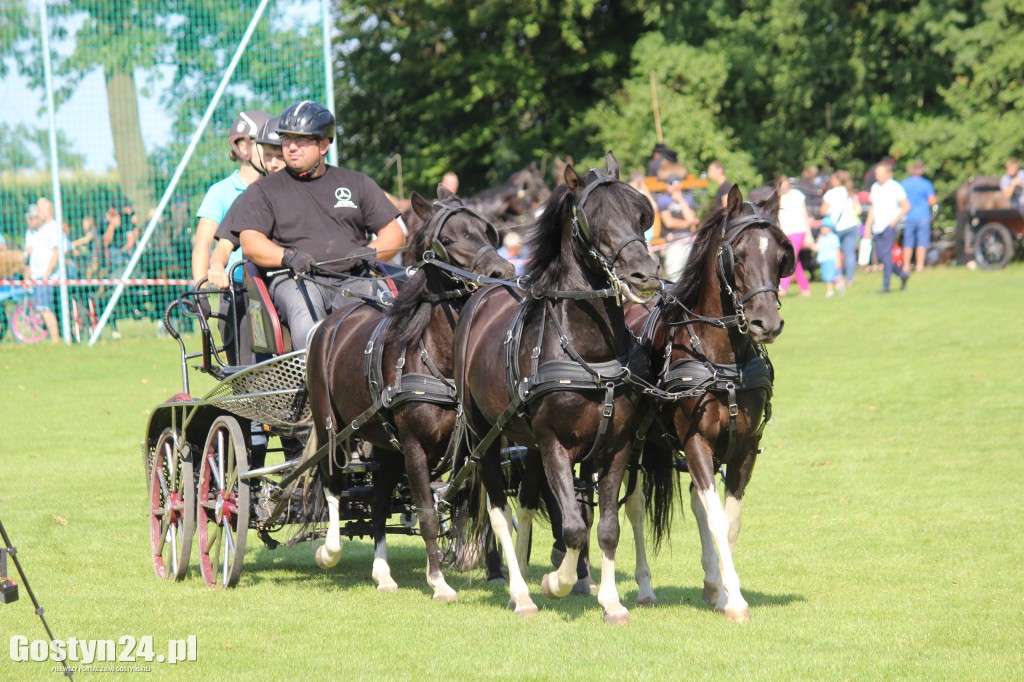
pixel 446 240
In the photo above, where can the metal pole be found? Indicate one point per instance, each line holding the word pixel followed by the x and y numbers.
pixel 165 199
pixel 325 14
pixel 58 207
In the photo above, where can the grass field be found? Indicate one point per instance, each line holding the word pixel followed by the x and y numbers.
pixel 881 538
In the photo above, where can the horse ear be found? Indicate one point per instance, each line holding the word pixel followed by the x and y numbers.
pixel 734 202
pixel 574 181
pixel 421 207
pixel 771 204
pixel 611 164
pixel 444 194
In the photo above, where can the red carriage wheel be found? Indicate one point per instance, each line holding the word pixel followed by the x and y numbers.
pixel 172 507
pixel 27 323
pixel 76 321
pixel 223 506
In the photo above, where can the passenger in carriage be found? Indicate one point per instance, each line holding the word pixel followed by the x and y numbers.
pixel 315 220
pixel 226 255
pixel 222 194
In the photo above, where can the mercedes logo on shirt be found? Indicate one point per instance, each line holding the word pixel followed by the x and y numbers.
pixel 344 197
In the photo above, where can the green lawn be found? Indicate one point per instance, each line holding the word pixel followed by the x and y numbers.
pixel 881 536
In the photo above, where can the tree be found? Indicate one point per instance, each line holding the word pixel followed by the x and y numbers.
pixel 480 88
pixel 35 155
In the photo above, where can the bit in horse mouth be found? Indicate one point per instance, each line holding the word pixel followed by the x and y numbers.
pixel 637 295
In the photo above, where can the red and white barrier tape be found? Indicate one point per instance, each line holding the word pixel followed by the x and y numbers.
pixel 152 282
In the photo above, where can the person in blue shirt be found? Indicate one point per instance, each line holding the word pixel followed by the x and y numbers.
pixel 221 195
pixel 917 230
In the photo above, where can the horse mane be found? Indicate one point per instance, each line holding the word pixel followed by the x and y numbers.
pixel 705 246
pixel 409 312
pixel 544 240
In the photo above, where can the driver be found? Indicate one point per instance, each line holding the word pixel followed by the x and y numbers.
pixel 315 214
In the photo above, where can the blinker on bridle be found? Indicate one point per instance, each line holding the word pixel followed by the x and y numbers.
pixel 582 235
pixel 437 249
pixel 731 231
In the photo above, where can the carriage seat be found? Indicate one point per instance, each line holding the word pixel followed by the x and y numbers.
pixel 267 334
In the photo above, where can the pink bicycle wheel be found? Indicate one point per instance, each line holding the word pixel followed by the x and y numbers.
pixel 27 323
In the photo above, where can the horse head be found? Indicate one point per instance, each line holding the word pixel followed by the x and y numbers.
pixel 609 221
pixel 454 234
pixel 753 256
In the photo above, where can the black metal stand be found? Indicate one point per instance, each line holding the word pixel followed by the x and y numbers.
pixel 9 549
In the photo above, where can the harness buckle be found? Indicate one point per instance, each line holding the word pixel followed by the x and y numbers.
pixel 535 353
pixel 608 411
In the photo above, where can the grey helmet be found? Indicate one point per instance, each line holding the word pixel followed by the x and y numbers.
pixel 246 125
pixel 307 118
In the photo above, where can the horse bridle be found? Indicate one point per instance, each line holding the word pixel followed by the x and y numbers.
pixel 582 236
pixel 446 211
pixel 731 232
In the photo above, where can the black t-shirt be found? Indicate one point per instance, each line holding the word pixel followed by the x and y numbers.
pixel 327 217
pixel 723 191
pixel 225 230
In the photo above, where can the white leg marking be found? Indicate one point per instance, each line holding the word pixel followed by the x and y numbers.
pixel 708 555
pixel 523 540
pixel 642 574
pixel 733 510
pixel 730 600
pixel 608 595
pixel 329 554
pixel 516 585
pixel 381 570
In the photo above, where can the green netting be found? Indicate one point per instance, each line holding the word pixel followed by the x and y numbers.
pixel 132 80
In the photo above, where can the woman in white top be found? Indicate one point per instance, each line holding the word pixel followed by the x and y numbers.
pixel 841 208
pixel 796 223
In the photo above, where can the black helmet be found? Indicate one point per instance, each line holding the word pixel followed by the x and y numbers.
pixel 307 118
pixel 268 132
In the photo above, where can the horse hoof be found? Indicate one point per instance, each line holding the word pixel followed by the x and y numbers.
pixel 449 596
pixel 524 610
pixel 323 559
pixel 545 587
pixel 495 581
pixel 737 615
pixel 647 601
pixel 710 594
pixel 617 618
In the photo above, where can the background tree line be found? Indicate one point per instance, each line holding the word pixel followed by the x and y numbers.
pixel 485 88
pixel 765 85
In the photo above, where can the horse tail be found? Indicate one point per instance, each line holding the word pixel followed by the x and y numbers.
pixel 471 524
pixel 660 484
pixel 310 490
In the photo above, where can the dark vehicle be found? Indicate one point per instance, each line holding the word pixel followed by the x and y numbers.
pixel 988 228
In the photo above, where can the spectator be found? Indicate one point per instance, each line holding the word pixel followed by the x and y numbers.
pixel 869 177
pixel 827 254
pixel 841 211
pixel 678 224
pixel 795 222
pixel 41 245
pixel 888 206
pixel 917 230
pixel 809 185
pixel 1012 183
pixel 636 181
pixel 451 181
pixel 659 156
pixel 512 251
pixel 82 248
pixel 716 174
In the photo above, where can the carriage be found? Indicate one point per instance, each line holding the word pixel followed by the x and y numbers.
pixel 987 227
pixel 199 451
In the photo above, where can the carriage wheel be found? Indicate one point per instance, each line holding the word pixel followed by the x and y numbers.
pixel 993 247
pixel 27 324
pixel 223 503
pixel 172 508
pixel 76 320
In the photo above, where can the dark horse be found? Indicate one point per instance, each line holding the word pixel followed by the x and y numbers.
pixel 547 369
pixel 707 347
pixel 393 370
pixel 515 199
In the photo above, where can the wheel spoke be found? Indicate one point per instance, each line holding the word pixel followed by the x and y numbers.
pixel 163 483
pixel 174 549
pixel 213 469
pixel 212 540
pixel 227 536
pixel 220 457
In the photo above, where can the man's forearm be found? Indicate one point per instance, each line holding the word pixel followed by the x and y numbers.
pixel 260 250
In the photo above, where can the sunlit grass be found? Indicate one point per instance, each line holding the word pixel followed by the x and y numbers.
pixel 881 537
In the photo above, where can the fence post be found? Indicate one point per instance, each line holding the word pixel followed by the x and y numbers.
pixel 58 205
pixel 325 15
pixel 165 199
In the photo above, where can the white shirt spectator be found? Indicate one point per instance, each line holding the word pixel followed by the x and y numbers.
pixel 841 209
pixel 793 212
pixel 43 243
pixel 885 202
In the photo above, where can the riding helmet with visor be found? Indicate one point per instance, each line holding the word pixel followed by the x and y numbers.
pixel 307 118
